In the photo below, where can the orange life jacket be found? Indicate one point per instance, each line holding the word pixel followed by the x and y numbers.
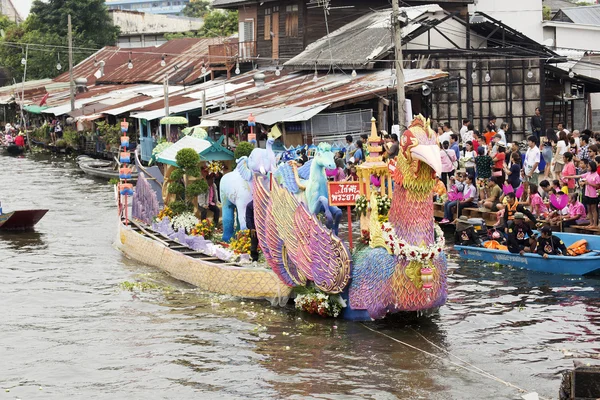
pixel 578 248
pixel 494 245
pixel 511 210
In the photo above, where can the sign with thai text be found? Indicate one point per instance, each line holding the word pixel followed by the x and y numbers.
pixel 343 193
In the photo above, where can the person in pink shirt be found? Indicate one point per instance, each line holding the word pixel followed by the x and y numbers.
pixel 569 170
pixel 591 179
pixel 538 208
pixel 576 211
pixel 448 162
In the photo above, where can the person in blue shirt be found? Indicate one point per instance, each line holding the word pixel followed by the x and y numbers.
pixel 454 145
pixel 359 155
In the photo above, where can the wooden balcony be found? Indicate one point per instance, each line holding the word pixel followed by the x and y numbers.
pixel 230 52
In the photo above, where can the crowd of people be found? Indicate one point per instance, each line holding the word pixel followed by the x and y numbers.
pixel 554 181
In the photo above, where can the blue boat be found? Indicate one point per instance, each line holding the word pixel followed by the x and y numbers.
pixel 585 264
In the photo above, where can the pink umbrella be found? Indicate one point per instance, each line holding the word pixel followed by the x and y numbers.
pixel 453 196
pixel 559 202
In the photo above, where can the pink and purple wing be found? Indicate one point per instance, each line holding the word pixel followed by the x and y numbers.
pixel 321 256
pixel 274 212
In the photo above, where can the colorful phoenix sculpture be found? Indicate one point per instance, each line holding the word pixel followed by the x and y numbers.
pixel 404 266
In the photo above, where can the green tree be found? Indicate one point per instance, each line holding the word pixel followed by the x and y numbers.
pixel 197 9
pixel 220 23
pixel 45 30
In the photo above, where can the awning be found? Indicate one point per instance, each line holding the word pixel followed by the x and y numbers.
pixel 34 109
pixel 207 123
pixel 290 114
pixel 167 156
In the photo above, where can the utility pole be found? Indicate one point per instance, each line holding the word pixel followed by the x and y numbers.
pixel 23 95
pixel 166 89
pixel 71 81
pixel 397 29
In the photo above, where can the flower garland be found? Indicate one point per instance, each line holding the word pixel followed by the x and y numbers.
pixel 185 220
pixel 403 249
pixel 322 304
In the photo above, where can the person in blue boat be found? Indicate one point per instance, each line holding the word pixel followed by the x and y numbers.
pixel 513 207
pixel 549 245
pixel 520 236
pixel 465 234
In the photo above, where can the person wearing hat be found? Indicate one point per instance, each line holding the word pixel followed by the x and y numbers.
pixel 521 238
pixel 465 234
pixel 549 245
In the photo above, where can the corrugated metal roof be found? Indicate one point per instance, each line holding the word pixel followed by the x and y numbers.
pixel 159 113
pixel 588 15
pixel 360 42
pixel 187 55
pixel 296 97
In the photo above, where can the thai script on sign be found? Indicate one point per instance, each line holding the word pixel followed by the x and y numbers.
pixel 343 193
pixel 511 258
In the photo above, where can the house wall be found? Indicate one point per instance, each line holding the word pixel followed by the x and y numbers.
pixel 573 36
pixel 249 13
pixel 289 46
pixel 524 16
pixel 510 95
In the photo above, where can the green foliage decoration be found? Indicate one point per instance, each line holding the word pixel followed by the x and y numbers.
pixel 187 159
pixel 243 149
pixel 176 175
pixel 180 206
pixel 196 188
pixel 176 188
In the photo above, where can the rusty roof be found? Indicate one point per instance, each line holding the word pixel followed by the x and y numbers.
pixel 184 59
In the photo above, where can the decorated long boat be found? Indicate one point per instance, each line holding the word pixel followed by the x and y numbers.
pixel 400 266
pixel 208 272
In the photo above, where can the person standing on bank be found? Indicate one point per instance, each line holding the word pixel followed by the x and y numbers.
pixel 537 124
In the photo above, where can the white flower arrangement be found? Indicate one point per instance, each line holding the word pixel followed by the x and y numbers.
pixel 404 249
pixel 186 220
pixel 361 205
pixel 383 204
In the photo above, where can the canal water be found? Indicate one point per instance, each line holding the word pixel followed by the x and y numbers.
pixel 69 330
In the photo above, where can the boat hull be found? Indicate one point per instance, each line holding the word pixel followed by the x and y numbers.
pixel 103 172
pixel 252 283
pixel 21 220
pixel 587 264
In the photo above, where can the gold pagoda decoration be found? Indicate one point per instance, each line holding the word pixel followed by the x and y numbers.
pixel 374 165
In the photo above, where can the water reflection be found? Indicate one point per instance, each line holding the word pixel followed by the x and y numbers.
pixel 23 242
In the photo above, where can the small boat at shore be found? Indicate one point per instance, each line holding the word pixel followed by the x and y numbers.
pixel 585 264
pixel 140 243
pixel 102 168
pixel 20 220
pixel 13 149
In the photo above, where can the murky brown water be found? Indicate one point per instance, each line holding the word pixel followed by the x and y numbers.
pixel 69 331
